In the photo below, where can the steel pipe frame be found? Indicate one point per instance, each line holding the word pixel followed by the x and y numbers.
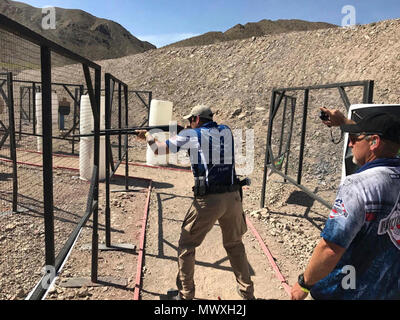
pixel 75 98
pixel 10 132
pixel 48 47
pixel 110 82
pixel 368 90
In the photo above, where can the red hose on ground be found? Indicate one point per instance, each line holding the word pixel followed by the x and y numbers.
pixel 270 257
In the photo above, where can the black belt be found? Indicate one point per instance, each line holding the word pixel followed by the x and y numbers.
pixel 222 189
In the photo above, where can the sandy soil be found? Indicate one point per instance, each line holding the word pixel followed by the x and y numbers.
pixel 289 226
pixel 170 199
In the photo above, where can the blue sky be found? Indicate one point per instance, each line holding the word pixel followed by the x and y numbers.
pixel 165 21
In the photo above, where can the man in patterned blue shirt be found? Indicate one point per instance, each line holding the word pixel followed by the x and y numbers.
pixel 216 198
pixel 358 256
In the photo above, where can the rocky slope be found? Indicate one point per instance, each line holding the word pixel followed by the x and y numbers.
pixel 77 30
pixel 236 77
pixel 252 29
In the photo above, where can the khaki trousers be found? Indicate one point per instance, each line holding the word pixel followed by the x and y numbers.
pixel 227 209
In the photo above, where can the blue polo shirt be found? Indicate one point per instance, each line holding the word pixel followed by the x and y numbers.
pixel 211 151
pixel 365 219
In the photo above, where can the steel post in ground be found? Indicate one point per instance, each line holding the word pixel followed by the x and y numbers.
pixel 47 155
pixel 77 95
pixel 119 121
pixel 96 163
pixel 149 107
pixel 11 130
pixel 293 108
pixel 94 96
pixel 283 126
pixel 126 137
pixel 267 155
pixel 108 159
pixel 34 107
pixel 368 96
pixel 21 91
pixel 303 135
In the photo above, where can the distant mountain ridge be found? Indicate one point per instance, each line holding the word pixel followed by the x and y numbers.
pixel 252 29
pixel 93 38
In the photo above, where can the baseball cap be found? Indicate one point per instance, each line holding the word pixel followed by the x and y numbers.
pixel 383 124
pixel 202 111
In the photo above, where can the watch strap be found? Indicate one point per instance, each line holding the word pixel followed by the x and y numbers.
pixel 305 288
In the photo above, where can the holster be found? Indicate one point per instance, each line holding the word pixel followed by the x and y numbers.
pixel 199 189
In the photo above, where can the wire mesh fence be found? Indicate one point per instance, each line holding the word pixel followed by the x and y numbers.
pixel 6 176
pixel 139 103
pixel 300 147
pixel 44 196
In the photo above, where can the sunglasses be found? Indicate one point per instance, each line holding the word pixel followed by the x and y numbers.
pixel 356 137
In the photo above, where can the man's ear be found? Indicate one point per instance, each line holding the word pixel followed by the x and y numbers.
pixel 375 141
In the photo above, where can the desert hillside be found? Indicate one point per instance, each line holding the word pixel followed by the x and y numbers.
pixel 79 31
pixel 241 73
pixel 252 29
pixel 236 79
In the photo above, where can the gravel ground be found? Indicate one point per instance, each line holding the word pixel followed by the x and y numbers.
pixel 22 248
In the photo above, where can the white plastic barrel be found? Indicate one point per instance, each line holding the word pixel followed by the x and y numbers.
pixel 160 115
pixel 86 145
pixel 39 122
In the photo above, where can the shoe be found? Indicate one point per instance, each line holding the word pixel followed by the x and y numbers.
pixel 245 296
pixel 177 297
pixel 173 294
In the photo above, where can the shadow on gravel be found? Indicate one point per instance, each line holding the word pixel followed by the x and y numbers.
pixel 301 198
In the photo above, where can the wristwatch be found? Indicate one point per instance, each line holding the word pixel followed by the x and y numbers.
pixel 302 284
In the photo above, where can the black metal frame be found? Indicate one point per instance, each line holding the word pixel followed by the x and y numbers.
pixel 48 47
pixel 9 132
pixel 110 83
pixel 147 105
pixel 276 99
pixel 79 89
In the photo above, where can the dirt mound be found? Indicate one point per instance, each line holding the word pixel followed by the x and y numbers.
pixel 252 29
pixel 235 78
